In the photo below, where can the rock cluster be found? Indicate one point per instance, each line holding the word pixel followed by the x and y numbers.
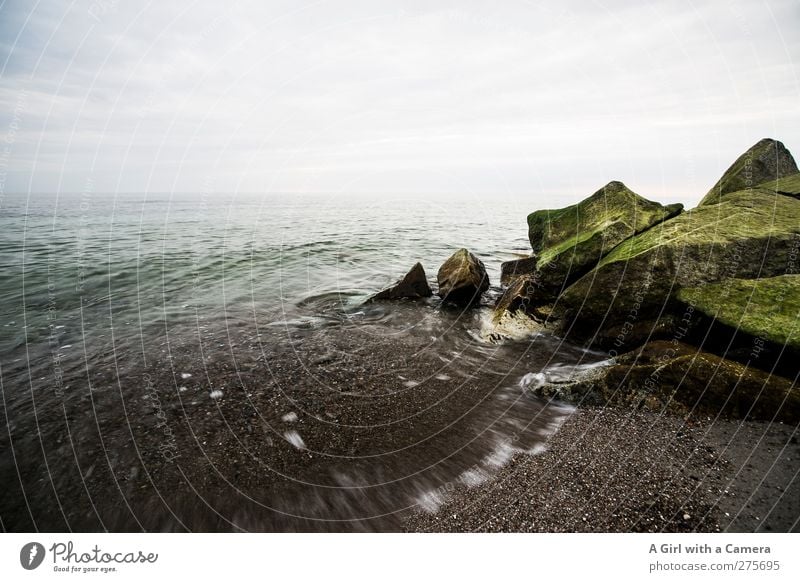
pixel 715 290
pixel 697 310
pixel 462 280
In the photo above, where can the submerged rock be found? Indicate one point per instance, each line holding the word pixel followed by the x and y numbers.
pixel 570 241
pixel 672 376
pixel 628 297
pixel 413 286
pixel 462 278
pixel 766 161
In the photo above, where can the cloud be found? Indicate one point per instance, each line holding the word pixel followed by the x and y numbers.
pixel 386 97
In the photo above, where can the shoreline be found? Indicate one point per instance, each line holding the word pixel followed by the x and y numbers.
pixel 613 470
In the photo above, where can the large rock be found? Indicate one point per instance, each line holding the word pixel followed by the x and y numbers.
pixel 788 185
pixel 672 376
pixel 766 161
pixel 570 241
pixel 768 308
pixel 462 278
pixel 413 286
pixel 754 321
pixel 628 297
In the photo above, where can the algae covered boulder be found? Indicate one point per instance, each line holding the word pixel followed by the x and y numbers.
pixel 675 377
pixel 766 161
pixel 569 241
pixel 413 286
pixel 767 310
pixel 788 185
pixel 462 278
pixel 627 297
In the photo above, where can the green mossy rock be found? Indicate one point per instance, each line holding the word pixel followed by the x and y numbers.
pixel 570 241
pixel 672 376
pixel 763 308
pixel 788 185
pixel 766 161
pixel 747 235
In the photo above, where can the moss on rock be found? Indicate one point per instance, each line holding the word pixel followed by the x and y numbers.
pixel 766 308
pixel 766 161
pixel 748 235
pixel 788 185
pixel 569 241
pixel 675 377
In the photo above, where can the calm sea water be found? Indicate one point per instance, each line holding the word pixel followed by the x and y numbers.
pixel 85 270
pixel 98 287
pixel 98 261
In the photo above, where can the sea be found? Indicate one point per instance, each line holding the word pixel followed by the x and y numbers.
pixel 207 362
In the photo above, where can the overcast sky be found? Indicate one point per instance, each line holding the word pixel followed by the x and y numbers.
pixel 551 99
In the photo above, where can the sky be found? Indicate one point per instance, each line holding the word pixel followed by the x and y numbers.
pixel 382 98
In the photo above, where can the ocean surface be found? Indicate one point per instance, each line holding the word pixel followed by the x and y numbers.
pixel 131 323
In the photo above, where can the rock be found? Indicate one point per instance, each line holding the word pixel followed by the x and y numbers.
pixel 628 297
pixel 675 377
pixel 753 321
pixel 520 297
pixel 569 241
pixel 510 270
pixel 766 161
pixel 788 186
pixel 413 286
pixel 462 278
pixel 766 308
pixel 515 315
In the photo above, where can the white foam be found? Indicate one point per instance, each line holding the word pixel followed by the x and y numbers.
pixel 410 383
pixel 185 375
pixel 537 449
pixel 216 394
pixel 500 456
pixel 290 417
pixel 473 477
pixel 536 379
pixel 430 501
pixel 295 439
